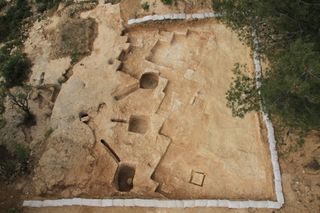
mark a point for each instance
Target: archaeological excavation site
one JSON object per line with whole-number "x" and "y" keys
{"x": 134, "y": 114}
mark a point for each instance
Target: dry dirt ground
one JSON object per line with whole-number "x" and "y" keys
{"x": 147, "y": 118}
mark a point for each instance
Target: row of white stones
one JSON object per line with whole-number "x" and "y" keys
{"x": 174, "y": 16}
{"x": 152, "y": 203}
{"x": 270, "y": 130}
{"x": 186, "y": 203}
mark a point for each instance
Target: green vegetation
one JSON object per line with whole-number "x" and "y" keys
{"x": 145, "y": 6}
{"x": 13, "y": 164}
{"x": 43, "y": 5}
{"x": 20, "y": 99}
{"x": 14, "y": 68}
{"x": 288, "y": 37}
{"x": 11, "y": 22}
{"x": 3, "y": 3}
{"x": 243, "y": 97}
{"x": 167, "y": 2}
{"x": 14, "y": 210}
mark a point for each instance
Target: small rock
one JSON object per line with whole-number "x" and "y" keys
{"x": 85, "y": 119}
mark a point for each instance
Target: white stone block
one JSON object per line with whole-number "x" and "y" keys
{"x": 65, "y": 202}
{"x": 92, "y": 202}
{"x": 179, "y": 204}
{"x": 207, "y": 15}
{"x": 244, "y": 204}
{"x": 181, "y": 16}
{"x": 188, "y": 16}
{"x": 170, "y": 204}
{"x": 35, "y": 203}
{"x": 280, "y": 198}
{"x": 77, "y": 201}
{"x": 155, "y": 17}
{"x": 161, "y": 203}
{"x": 118, "y": 202}
{"x": 26, "y": 203}
{"x": 211, "y": 15}
{"x": 172, "y": 17}
{"x": 147, "y": 18}
{"x": 234, "y": 204}
{"x": 167, "y": 16}
{"x": 144, "y": 202}
{"x": 223, "y": 203}
{"x": 128, "y": 202}
{"x": 197, "y": 16}
{"x": 51, "y": 203}
{"x": 106, "y": 202}
{"x": 131, "y": 21}
{"x": 161, "y": 17}
{"x": 139, "y": 20}
{"x": 261, "y": 204}
{"x": 201, "y": 203}
{"x": 212, "y": 203}
{"x": 188, "y": 203}
{"x": 273, "y": 205}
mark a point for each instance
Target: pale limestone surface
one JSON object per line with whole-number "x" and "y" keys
{"x": 45, "y": 70}
{"x": 84, "y": 91}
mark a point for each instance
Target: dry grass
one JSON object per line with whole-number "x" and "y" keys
{"x": 74, "y": 36}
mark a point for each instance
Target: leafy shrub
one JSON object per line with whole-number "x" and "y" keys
{"x": 242, "y": 97}
{"x": 13, "y": 164}
{"x": 14, "y": 210}
{"x": 22, "y": 155}
{"x": 145, "y": 6}
{"x": 3, "y": 3}
{"x": 167, "y": 2}
{"x": 15, "y": 69}
{"x": 11, "y": 22}
{"x": 43, "y": 5}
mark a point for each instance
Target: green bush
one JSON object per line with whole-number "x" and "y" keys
{"x": 22, "y": 154}
{"x": 7, "y": 163}
{"x": 13, "y": 164}
{"x": 145, "y": 6}
{"x": 14, "y": 210}
{"x": 167, "y": 2}
{"x": 15, "y": 69}
{"x": 11, "y": 22}
{"x": 3, "y": 3}
{"x": 43, "y": 5}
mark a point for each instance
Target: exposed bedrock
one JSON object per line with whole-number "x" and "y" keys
{"x": 67, "y": 160}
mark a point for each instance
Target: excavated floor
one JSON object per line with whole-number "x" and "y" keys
{"x": 145, "y": 116}
{"x": 211, "y": 154}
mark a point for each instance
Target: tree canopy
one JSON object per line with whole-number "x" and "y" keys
{"x": 288, "y": 35}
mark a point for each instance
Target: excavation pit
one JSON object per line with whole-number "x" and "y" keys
{"x": 124, "y": 178}
{"x": 149, "y": 81}
{"x": 138, "y": 124}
